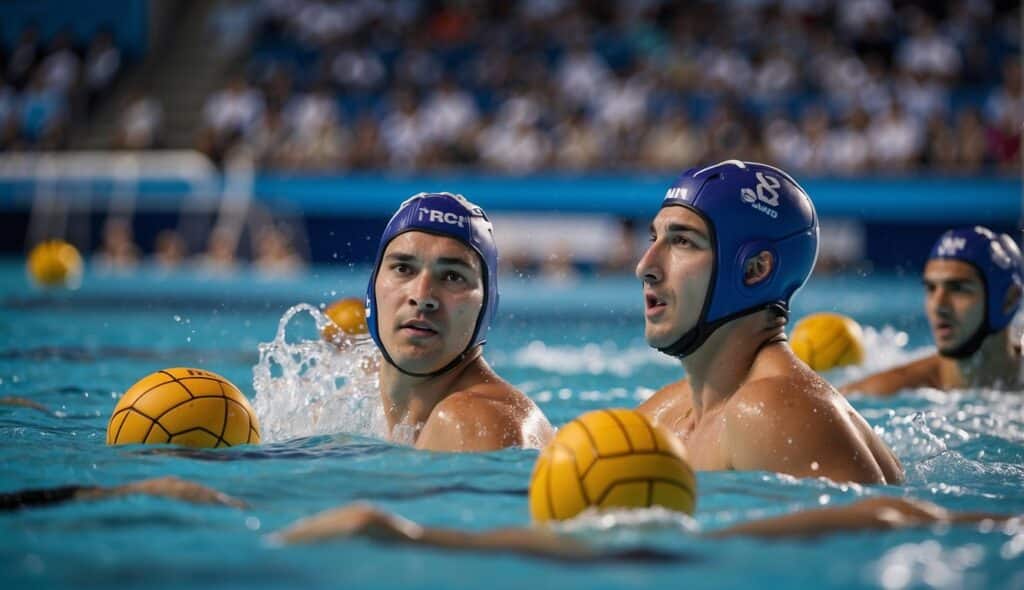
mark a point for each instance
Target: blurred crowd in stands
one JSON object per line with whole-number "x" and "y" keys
{"x": 817, "y": 86}
{"x": 45, "y": 84}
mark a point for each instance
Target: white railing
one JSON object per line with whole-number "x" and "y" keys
{"x": 67, "y": 188}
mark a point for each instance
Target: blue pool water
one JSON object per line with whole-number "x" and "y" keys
{"x": 570, "y": 347}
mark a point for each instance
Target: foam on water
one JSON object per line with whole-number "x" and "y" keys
{"x": 589, "y": 359}
{"x": 309, "y": 386}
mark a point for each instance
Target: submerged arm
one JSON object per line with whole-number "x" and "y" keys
{"x": 920, "y": 373}
{"x": 883, "y": 513}
{"x": 166, "y": 487}
{"x": 363, "y": 520}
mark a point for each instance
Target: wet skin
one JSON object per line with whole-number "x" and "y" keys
{"x": 748, "y": 403}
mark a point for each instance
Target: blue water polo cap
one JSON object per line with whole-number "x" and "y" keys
{"x": 749, "y": 208}
{"x": 997, "y": 259}
{"x": 452, "y": 216}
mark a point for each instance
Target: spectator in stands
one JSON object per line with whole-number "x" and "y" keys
{"x": 673, "y": 144}
{"x": 403, "y": 132}
{"x": 60, "y": 68}
{"x": 448, "y": 111}
{"x": 24, "y": 57}
{"x": 896, "y": 140}
{"x": 139, "y": 125}
{"x": 580, "y": 144}
{"x": 118, "y": 253}
{"x": 219, "y": 258}
{"x": 169, "y": 250}
{"x": 274, "y": 254}
{"x": 102, "y": 64}
{"x": 309, "y": 113}
{"x": 43, "y": 112}
{"x": 228, "y": 115}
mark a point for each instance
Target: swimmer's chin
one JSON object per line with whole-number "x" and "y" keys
{"x": 659, "y": 338}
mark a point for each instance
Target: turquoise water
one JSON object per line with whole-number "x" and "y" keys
{"x": 570, "y": 347}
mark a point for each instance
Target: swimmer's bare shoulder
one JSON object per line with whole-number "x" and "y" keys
{"x": 670, "y": 406}
{"x": 796, "y": 423}
{"x": 485, "y": 417}
{"x": 920, "y": 373}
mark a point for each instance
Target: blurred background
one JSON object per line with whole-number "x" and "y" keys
{"x": 277, "y": 135}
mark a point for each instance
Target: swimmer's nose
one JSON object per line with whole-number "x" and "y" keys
{"x": 422, "y": 296}
{"x": 646, "y": 270}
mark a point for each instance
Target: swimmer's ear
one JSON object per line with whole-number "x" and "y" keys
{"x": 1012, "y": 299}
{"x": 757, "y": 268}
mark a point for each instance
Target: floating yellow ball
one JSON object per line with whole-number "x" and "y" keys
{"x": 348, "y": 317}
{"x": 611, "y": 459}
{"x": 828, "y": 340}
{"x": 55, "y": 263}
{"x": 181, "y": 406}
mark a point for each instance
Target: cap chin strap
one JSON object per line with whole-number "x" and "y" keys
{"x": 455, "y": 362}
{"x": 695, "y": 337}
{"x": 971, "y": 345}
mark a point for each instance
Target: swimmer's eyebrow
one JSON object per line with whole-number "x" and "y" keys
{"x": 449, "y": 261}
{"x": 684, "y": 228}
{"x": 949, "y": 282}
{"x": 678, "y": 227}
{"x": 443, "y": 261}
{"x": 400, "y": 257}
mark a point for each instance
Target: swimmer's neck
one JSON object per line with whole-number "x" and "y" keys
{"x": 410, "y": 400}
{"x": 728, "y": 359}
{"x": 996, "y": 364}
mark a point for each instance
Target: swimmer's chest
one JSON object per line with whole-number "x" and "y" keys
{"x": 705, "y": 442}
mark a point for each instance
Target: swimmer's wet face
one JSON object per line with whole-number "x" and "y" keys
{"x": 954, "y": 302}
{"x": 676, "y": 272}
{"x": 430, "y": 293}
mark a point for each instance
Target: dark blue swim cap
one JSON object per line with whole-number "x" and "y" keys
{"x": 452, "y": 216}
{"x": 749, "y": 208}
{"x": 997, "y": 259}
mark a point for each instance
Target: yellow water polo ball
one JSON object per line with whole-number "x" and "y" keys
{"x": 55, "y": 263}
{"x": 828, "y": 340}
{"x": 612, "y": 458}
{"x": 348, "y": 318}
{"x": 181, "y": 406}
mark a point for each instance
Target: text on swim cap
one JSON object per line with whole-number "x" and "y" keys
{"x": 677, "y": 192}
{"x": 950, "y": 245}
{"x": 765, "y": 192}
{"x": 435, "y": 216}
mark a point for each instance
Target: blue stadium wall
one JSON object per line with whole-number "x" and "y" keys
{"x": 344, "y": 215}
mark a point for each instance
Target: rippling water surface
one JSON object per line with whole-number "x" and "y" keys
{"x": 572, "y": 348}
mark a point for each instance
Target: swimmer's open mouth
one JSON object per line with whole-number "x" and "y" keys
{"x": 419, "y": 327}
{"x": 653, "y": 302}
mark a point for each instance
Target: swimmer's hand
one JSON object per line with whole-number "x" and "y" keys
{"x": 362, "y": 520}
{"x": 166, "y": 487}
{"x": 881, "y": 513}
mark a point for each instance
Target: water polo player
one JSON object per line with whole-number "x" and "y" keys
{"x": 730, "y": 246}
{"x": 429, "y": 304}
{"x": 973, "y": 280}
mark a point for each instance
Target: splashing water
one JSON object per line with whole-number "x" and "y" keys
{"x": 311, "y": 386}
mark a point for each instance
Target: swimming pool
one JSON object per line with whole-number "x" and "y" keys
{"x": 571, "y": 347}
